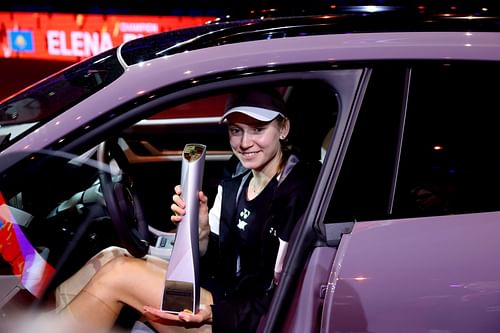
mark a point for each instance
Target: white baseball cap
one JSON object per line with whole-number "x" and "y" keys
{"x": 261, "y": 104}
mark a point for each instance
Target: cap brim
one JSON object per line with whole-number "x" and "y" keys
{"x": 260, "y": 114}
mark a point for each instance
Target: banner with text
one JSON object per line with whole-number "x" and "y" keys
{"x": 73, "y": 37}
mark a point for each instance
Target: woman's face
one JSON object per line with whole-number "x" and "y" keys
{"x": 256, "y": 143}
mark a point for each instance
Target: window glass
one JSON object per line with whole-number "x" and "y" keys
{"x": 363, "y": 188}
{"x": 449, "y": 161}
{"x": 54, "y": 95}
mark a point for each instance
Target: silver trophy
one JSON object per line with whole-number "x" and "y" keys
{"x": 182, "y": 288}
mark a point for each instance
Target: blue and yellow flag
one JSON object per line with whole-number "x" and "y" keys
{"x": 21, "y": 40}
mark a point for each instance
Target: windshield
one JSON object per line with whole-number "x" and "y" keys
{"x": 57, "y": 93}
{"x": 171, "y": 42}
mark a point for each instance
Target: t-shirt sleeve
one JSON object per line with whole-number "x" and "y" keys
{"x": 215, "y": 211}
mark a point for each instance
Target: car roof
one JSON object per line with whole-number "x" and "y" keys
{"x": 349, "y": 20}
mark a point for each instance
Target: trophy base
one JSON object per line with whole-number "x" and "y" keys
{"x": 178, "y": 296}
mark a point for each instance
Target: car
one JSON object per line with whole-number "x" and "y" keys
{"x": 401, "y": 233}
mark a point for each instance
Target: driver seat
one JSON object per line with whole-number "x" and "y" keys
{"x": 142, "y": 327}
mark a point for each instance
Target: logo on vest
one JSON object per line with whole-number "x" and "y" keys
{"x": 244, "y": 214}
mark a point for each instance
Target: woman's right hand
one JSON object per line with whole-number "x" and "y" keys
{"x": 179, "y": 210}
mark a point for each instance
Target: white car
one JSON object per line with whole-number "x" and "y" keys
{"x": 402, "y": 232}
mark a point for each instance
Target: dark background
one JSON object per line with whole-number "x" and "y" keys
{"x": 18, "y": 74}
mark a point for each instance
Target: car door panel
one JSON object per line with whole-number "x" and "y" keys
{"x": 417, "y": 275}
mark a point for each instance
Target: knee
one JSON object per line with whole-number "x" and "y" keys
{"x": 115, "y": 273}
{"x": 113, "y": 252}
{"x": 104, "y": 256}
{"x": 119, "y": 265}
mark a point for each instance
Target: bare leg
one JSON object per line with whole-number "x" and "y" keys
{"x": 68, "y": 290}
{"x": 123, "y": 280}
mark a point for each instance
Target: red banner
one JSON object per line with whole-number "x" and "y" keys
{"x": 73, "y": 37}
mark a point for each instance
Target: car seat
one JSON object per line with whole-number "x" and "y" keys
{"x": 313, "y": 106}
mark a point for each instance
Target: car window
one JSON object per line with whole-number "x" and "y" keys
{"x": 52, "y": 96}
{"x": 449, "y": 161}
{"x": 363, "y": 187}
{"x": 432, "y": 155}
{"x": 50, "y": 204}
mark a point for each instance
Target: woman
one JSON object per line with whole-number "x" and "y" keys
{"x": 243, "y": 239}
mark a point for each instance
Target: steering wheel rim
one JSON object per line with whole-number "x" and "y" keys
{"x": 122, "y": 202}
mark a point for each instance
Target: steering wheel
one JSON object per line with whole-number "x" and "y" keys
{"x": 122, "y": 201}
